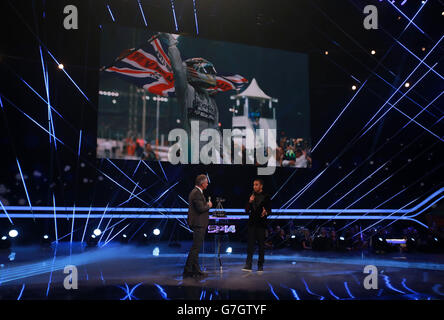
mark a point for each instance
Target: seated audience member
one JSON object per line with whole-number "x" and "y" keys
{"x": 321, "y": 241}
{"x": 333, "y": 241}
{"x": 307, "y": 242}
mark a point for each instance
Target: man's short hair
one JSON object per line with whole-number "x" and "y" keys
{"x": 200, "y": 179}
{"x": 260, "y": 181}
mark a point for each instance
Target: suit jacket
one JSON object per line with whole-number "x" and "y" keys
{"x": 261, "y": 200}
{"x": 198, "y": 209}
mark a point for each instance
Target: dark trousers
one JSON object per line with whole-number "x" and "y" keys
{"x": 192, "y": 264}
{"x": 256, "y": 234}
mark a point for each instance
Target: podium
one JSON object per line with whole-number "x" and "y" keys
{"x": 220, "y": 228}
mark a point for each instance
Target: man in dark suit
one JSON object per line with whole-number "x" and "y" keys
{"x": 198, "y": 211}
{"x": 258, "y": 207}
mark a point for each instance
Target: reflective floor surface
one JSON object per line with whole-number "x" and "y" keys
{"x": 119, "y": 272}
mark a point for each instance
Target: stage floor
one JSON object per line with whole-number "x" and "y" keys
{"x": 154, "y": 271}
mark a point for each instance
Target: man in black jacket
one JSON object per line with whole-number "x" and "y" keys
{"x": 198, "y": 211}
{"x": 258, "y": 207}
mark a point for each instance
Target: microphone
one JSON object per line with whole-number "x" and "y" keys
{"x": 209, "y": 199}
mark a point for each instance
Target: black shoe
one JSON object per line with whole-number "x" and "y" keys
{"x": 260, "y": 269}
{"x": 247, "y": 268}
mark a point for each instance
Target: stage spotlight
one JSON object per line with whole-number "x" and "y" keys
{"x": 97, "y": 232}
{"x": 326, "y": 53}
{"x": 412, "y": 244}
{"x": 341, "y": 238}
{"x": 61, "y": 66}
{"x": 142, "y": 238}
{"x": 293, "y": 236}
{"x": 124, "y": 238}
{"x": 13, "y": 233}
{"x": 373, "y": 52}
{"x": 354, "y": 87}
{"x": 407, "y": 84}
{"x": 229, "y": 250}
{"x": 156, "y": 232}
{"x": 423, "y": 49}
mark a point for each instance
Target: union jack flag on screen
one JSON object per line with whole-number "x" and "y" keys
{"x": 149, "y": 67}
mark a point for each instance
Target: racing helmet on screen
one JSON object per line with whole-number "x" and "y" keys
{"x": 201, "y": 72}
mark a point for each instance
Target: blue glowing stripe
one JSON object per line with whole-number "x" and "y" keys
{"x": 162, "y": 292}
{"x": 174, "y": 14}
{"x": 161, "y": 167}
{"x": 310, "y": 292}
{"x": 418, "y": 58}
{"x": 391, "y": 212}
{"x": 423, "y": 4}
{"x": 425, "y": 108}
{"x": 272, "y": 291}
{"x": 165, "y": 192}
{"x": 86, "y": 224}
{"x": 50, "y": 275}
{"x": 41, "y": 98}
{"x": 72, "y": 225}
{"x": 55, "y": 219}
{"x": 332, "y": 294}
{"x": 69, "y": 77}
{"x": 1, "y": 102}
{"x": 150, "y": 169}
{"x": 396, "y": 241}
{"x": 411, "y": 87}
{"x": 195, "y": 16}
{"x": 295, "y": 294}
{"x": 115, "y": 166}
{"x": 80, "y": 143}
{"x": 402, "y": 13}
{"x": 389, "y": 285}
{"x": 411, "y": 119}
{"x": 101, "y": 219}
{"x": 143, "y": 14}
{"x": 110, "y": 12}
{"x": 407, "y": 288}
{"x": 24, "y": 184}
{"x": 340, "y": 114}
{"x": 21, "y": 292}
{"x": 137, "y": 167}
{"x": 115, "y": 235}
{"x": 147, "y": 210}
{"x": 184, "y": 216}
{"x": 348, "y": 290}
{"x": 6, "y": 212}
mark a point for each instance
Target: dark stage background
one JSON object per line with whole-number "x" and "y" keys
{"x": 411, "y": 160}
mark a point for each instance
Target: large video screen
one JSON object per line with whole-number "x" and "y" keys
{"x": 167, "y": 96}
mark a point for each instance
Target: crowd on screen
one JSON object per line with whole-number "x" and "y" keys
{"x": 292, "y": 152}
